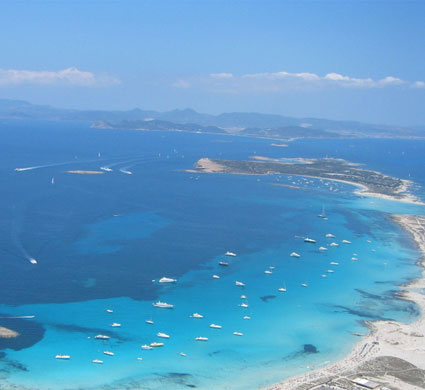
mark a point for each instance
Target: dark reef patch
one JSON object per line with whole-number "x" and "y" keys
{"x": 310, "y": 348}
{"x": 30, "y": 333}
{"x": 265, "y": 298}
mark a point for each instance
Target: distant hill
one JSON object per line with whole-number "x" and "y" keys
{"x": 239, "y": 123}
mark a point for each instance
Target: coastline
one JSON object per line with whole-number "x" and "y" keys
{"x": 389, "y": 343}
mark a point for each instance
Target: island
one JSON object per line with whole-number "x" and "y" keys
{"x": 371, "y": 182}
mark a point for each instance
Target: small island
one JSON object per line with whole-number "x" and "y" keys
{"x": 372, "y": 183}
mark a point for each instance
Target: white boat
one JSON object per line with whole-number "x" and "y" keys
{"x": 139, "y": 358}
{"x": 52, "y": 181}
{"x": 324, "y": 276}
{"x": 145, "y": 346}
{"x": 150, "y": 322}
{"x": 33, "y": 261}
{"x": 334, "y": 263}
{"x": 329, "y": 235}
{"x": 115, "y": 325}
{"x": 333, "y": 244}
{"x": 245, "y": 305}
{"x": 322, "y": 248}
{"x": 272, "y": 267}
{"x": 330, "y": 271}
{"x": 109, "y": 353}
{"x": 126, "y": 172}
{"x": 216, "y": 277}
{"x": 230, "y": 254}
{"x": 294, "y": 254}
{"x": 182, "y": 354}
{"x": 200, "y": 338}
{"x": 106, "y": 169}
{"x": 322, "y": 214}
{"x": 241, "y": 284}
{"x": 167, "y": 280}
{"x": 97, "y": 361}
{"x": 109, "y": 310}
{"x": 304, "y": 284}
{"x": 243, "y": 296}
{"x": 310, "y": 240}
{"x": 346, "y": 242}
{"x": 101, "y": 337}
{"x": 215, "y": 326}
{"x": 238, "y": 333}
{"x": 246, "y": 317}
{"x": 282, "y": 289}
{"x": 156, "y": 345}
{"x": 354, "y": 258}
{"x": 196, "y": 315}
{"x": 63, "y": 357}
{"x": 268, "y": 272}
{"x": 223, "y": 263}
{"x": 163, "y": 305}
{"x": 163, "y": 335}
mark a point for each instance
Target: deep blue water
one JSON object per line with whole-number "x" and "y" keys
{"x": 101, "y": 240}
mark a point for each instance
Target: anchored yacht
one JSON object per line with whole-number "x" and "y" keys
{"x": 230, "y": 254}
{"x": 196, "y": 315}
{"x": 109, "y": 353}
{"x": 215, "y": 326}
{"x": 101, "y": 337}
{"x": 163, "y": 305}
{"x": 63, "y": 357}
{"x": 241, "y": 284}
{"x": 163, "y": 335}
{"x": 310, "y": 240}
{"x": 200, "y": 338}
{"x": 167, "y": 280}
{"x": 97, "y": 361}
{"x": 294, "y": 254}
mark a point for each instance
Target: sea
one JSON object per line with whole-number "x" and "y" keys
{"x": 80, "y": 252}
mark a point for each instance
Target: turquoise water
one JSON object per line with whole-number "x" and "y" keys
{"x": 103, "y": 241}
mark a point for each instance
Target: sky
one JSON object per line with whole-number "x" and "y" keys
{"x": 345, "y": 60}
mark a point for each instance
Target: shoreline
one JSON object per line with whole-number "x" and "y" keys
{"x": 388, "y": 341}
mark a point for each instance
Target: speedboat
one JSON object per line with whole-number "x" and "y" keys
{"x": 241, "y": 284}
{"x": 304, "y": 284}
{"x": 101, "y": 337}
{"x": 196, "y": 315}
{"x": 216, "y": 277}
{"x": 115, "y": 325}
{"x": 163, "y": 335}
{"x": 33, "y": 261}
{"x": 215, "y": 326}
{"x": 106, "y": 169}
{"x": 238, "y": 333}
{"x": 230, "y": 254}
{"x": 223, "y": 263}
{"x": 200, "y": 338}
{"x": 163, "y": 305}
{"x": 109, "y": 310}
{"x": 150, "y": 322}
{"x": 282, "y": 289}
{"x": 97, "y": 361}
{"x": 63, "y": 357}
{"x": 268, "y": 272}
{"x": 156, "y": 345}
{"x": 109, "y": 353}
{"x": 167, "y": 280}
{"x": 182, "y": 354}
{"x": 294, "y": 254}
{"x": 246, "y": 317}
{"x": 310, "y": 240}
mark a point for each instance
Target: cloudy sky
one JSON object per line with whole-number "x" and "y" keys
{"x": 356, "y": 60}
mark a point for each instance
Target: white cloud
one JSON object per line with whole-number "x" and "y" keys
{"x": 284, "y": 81}
{"x": 66, "y": 77}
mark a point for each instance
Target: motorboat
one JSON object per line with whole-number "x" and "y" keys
{"x": 163, "y": 305}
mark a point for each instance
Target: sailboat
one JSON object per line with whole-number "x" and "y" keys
{"x": 53, "y": 180}
{"x": 323, "y": 213}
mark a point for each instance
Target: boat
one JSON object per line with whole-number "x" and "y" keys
{"x": 215, "y": 326}
{"x": 272, "y": 267}
{"x": 354, "y": 258}
{"x": 282, "y": 289}
{"x": 126, "y": 172}
{"x": 167, "y": 280}
{"x": 101, "y": 337}
{"x": 109, "y": 310}
{"x": 268, "y": 272}
{"x": 245, "y": 305}
{"x": 331, "y": 271}
{"x": 223, "y": 263}
{"x": 243, "y": 296}
{"x": 52, "y": 181}
{"x": 324, "y": 276}
{"x": 346, "y": 242}
{"x": 150, "y": 322}
{"x": 63, "y": 357}
{"x": 230, "y": 254}
{"x": 106, "y": 169}
{"x": 33, "y": 261}
{"x": 329, "y": 235}
{"x": 322, "y": 214}
{"x": 333, "y": 244}
{"x": 156, "y": 345}
{"x": 294, "y": 254}
{"x": 115, "y": 325}
{"x": 97, "y": 361}
{"x": 139, "y": 358}
{"x": 304, "y": 284}
{"x": 196, "y": 315}
{"x": 163, "y": 335}
{"x": 246, "y": 317}
{"x": 145, "y": 346}
{"x": 109, "y": 353}
{"x": 182, "y": 354}
{"x": 322, "y": 248}
{"x": 200, "y": 338}
{"x": 216, "y": 277}
{"x": 310, "y": 240}
{"x": 241, "y": 284}
{"x": 334, "y": 263}
{"x": 238, "y": 333}
{"x": 163, "y": 305}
